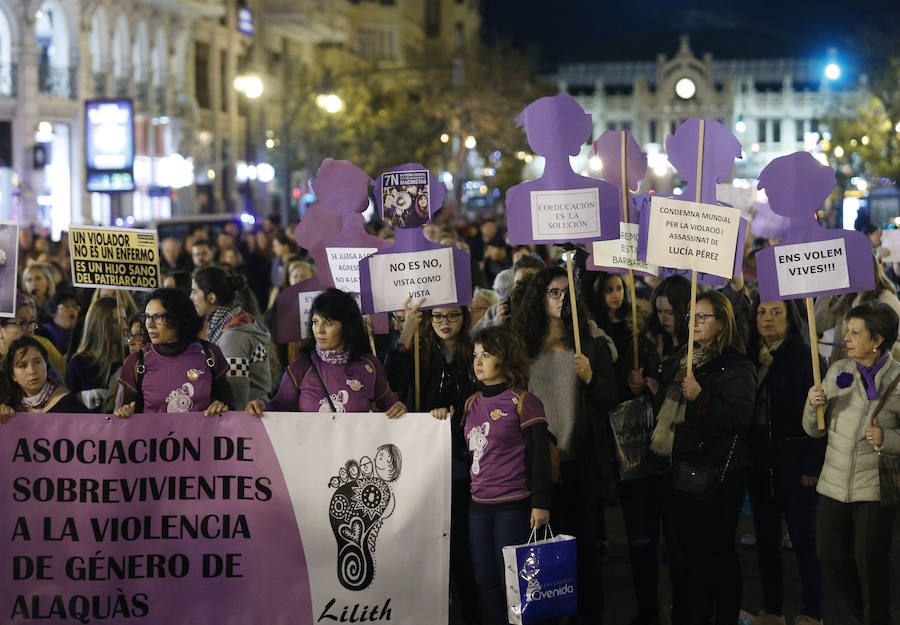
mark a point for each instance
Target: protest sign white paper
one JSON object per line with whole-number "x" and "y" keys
{"x": 306, "y": 300}
{"x": 572, "y": 213}
{"x": 692, "y": 235}
{"x": 890, "y": 242}
{"x": 344, "y": 265}
{"x": 816, "y": 266}
{"x": 622, "y": 252}
{"x": 396, "y": 277}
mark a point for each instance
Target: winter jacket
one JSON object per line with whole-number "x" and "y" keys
{"x": 850, "y": 472}
{"x": 244, "y": 343}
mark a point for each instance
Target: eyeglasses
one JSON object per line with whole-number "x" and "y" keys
{"x": 133, "y": 339}
{"x": 477, "y": 309}
{"x": 453, "y": 317}
{"x": 700, "y": 318}
{"x": 157, "y": 319}
{"x": 24, "y": 324}
{"x": 556, "y": 293}
{"x": 663, "y": 312}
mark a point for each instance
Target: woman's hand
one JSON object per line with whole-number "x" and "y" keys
{"x": 583, "y": 368}
{"x": 875, "y": 435}
{"x": 816, "y": 396}
{"x": 256, "y": 407}
{"x": 539, "y": 517}
{"x": 412, "y": 317}
{"x": 689, "y": 388}
{"x": 397, "y": 410}
{"x": 808, "y": 480}
{"x": 442, "y": 413}
{"x": 636, "y": 380}
{"x": 6, "y": 413}
{"x": 125, "y": 411}
{"x": 216, "y": 408}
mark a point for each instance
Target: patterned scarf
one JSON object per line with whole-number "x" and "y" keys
{"x": 218, "y": 318}
{"x": 766, "y": 357}
{"x": 42, "y": 397}
{"x": 673, "y": 408}
{"x": 333, "y": 356}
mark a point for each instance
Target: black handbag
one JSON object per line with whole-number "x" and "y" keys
{"x": 699, "y": 480}
{"x": 888, "y": 464}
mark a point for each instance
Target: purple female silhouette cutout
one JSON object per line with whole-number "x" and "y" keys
{"x": 560, "y": 206}
{"x": 608, "y": 147}
{"x": 409, "y": 240}
{"x": 720, "y": 148}
{"x": 811, "y": 260}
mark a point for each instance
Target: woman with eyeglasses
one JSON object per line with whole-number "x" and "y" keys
{"x": 577, "y": 389}
{"x": 26, "y": 372}
{"x": 445, "y": 385}
{"x": 177, "y": 371}
{"x": 25, "y": 324}
{"x": 703, "y": 423}
{"x": 98, "y": 355}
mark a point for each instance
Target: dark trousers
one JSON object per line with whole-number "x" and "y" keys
{"x": 490, "y": 530}
{"x": 463, "y": 591}
{"x": 853, "y": 541}
{"x": 797, "y": 506}
{"x": 706, "y": 572}
{"x": 574, "y": 512}
{"x": 642, "y": 508}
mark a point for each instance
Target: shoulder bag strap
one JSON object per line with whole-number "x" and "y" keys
{"x": 139, "y": 370}
{"x": 322, "y": 382}
{"x": 883, "y": 399}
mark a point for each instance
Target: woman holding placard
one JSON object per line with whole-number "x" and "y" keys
{"x": 786, "y": 462}
{"x": 862, "y": 417}
{"x": 576, "y": 388}
{"x": 335, "y": 371}
{"x": 703, "y": 420}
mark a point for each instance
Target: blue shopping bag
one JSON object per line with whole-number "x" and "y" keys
{"x": 540, "y": 578}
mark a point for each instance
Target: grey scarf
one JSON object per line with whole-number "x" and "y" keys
{"x": 673, "y": 408}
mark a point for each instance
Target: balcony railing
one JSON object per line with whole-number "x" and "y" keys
{"x": 159, "y": 99}
{"x": 121, "y": 87}
{"x": 58, "y": 81}
{"x": 140, "y": 94}
{"x": 100, "y": 84}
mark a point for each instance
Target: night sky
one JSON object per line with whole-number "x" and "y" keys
{"x": 553, "y": 31}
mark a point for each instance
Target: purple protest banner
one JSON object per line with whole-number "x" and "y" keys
{"x": 719, "y": 150}
{"x": 560, "y": 206}
{"x": 415, "y": 267}
{"x": 9, "y": 256}
{"x": 811, "y": 260}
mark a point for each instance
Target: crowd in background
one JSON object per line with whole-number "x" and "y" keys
{"x": 745, "y": 413}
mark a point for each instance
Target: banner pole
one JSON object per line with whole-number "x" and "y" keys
{"x": 416, "y": 369}
{"x": 631, "y": 289}
{"x": 691, "y": 315}
{"x": 814, "y": 353}
{"x": 572, "y": 301}
{"x": 371, "y": 334}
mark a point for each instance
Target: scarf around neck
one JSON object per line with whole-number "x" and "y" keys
{"x": 766, "y": 357}
{"x": 333, "y": 356}
{"x": 674, "y": 406}
{"x": 42, "y": 397}
{"x": 868, "y": 375}
{"x": 218, "y": 318}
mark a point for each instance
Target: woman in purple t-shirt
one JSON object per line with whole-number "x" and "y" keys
{"x": 335, "y": 371}
{"x": 177, "y": 371}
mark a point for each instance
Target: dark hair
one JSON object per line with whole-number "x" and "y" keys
{"x": 529, "y": 261}
{"x": 530, "y": 314}
{"x": 880, "y": 320}
{"x": 794, "y": 323}
{"x": 869, "y": 229}
{"x": 182, "y": 280}
{"x": 507, "y": 346}
{"x": 676, "y": 289}
{"x": 202, "y": 242}
{"x": 337, "y": 305}
{"x": 183, "y": 317}
{"x": 219, "y": 281}
{"x": 600, "y": 309}
{"x": 462, "y": 353}
{"x": 728, "y": 336}
{"x": 23, "y": 342}
{"x": 61, "y": 296}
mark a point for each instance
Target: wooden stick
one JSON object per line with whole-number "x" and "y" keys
{"x": 572, "y": 301}
{"x": 416, "y": 370}
{"x": 690, "y": 350}
{"x": 631, "y": 290}
{"x": 814, "y": 352}
{"x": 371, "y": 334}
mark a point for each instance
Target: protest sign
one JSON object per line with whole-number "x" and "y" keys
{"x": 621, "y": 253}
{"x": 692, "y": 235}
{"x": 343, "y": 262}
{"x": 415, "y": 275}
{"x": 405, "y": 198}
{"x": 305, "y": 306}
{"x": 180, "y": 519}
{"x": 810, "y": 267}
{"x": 9, "y": 257}
{"x": 890, "y": 246}
{"x": 560, "y": 206}
{"x": 114, "y": 258}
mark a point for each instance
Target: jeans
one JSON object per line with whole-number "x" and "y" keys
{"x": 797, "y": 506}
{"x": 491, "y": 529}
{"x": 642, "y": 507}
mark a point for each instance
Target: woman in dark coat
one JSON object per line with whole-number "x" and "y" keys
{"x": 32, "y": 389}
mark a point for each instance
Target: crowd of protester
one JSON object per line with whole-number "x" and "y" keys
{"x": 531, "y": 439}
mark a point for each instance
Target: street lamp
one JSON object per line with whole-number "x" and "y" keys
{"x": 832, "y": 71}
{"x": 470, "y": 142}
{"x": 329, "y": 102}
{"x": 249, "y": 84}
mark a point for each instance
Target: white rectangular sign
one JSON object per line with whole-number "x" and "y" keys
{"x": 9, "y": 256}
{"x": 691, "y": 235}
{"x": 306, "y": 300}
{"x": 572, "y": 213}
{"x": 396, "y": 277}
{"x": 375, "y": 512}
{"x": 807, "y": 267}
{"x": 344, "y": 265}
{"x": 889, "y": 252}
{"x": 622, "y": 252}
